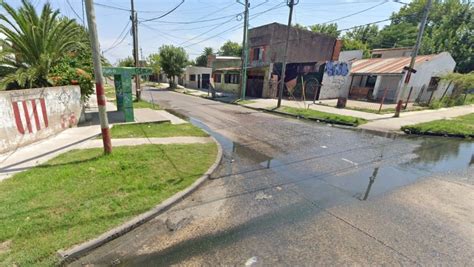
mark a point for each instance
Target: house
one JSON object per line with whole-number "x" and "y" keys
{"x": 197, "y": 77}
{"x": 391, "y": 52}
{"x": 225, "y": 72}
{"x": 306, "y": 56}
{"x": 376, "y": 78}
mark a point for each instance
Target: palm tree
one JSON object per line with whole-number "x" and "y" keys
{"x": 33, "y": 44}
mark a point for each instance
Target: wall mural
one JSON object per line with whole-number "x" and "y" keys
{"x": 27, "y": 114}
{"x": 336, "y": 68}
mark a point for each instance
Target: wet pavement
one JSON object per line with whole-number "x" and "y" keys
{"x": 291, "y": 192}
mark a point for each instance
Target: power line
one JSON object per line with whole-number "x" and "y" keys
{"x": 197, "y": 21}
{"x": 356, "y": 13}
{"x": 74, "y": 11}
{"x": 119, "y": 39}
{"x": 126, "y": 9}
{"x": 166, "y": 14}
{"x": 238, "y": 26}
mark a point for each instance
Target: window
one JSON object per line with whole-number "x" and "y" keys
{"x": 371, "y": 79}
{"x": 232, "y": 78}
{"x": 376, "y": 55}
{"x": 217, "y": 78}
{"x": 192, "y": 77}
{"x": 433, "y": 84}
{"x": 257, "y": 54}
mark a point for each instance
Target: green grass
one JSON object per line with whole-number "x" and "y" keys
{"x": 459, "y": 126}
{"x": 82, "y": 194}
{"x": 329, "y": 117}
{"x": 145, "y": 104}
{"x": 156, "y": 130}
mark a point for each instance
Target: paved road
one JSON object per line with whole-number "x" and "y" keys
{"x": 290, "y": 192}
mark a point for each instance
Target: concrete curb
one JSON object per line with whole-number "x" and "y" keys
{"x": 82, "y": 249}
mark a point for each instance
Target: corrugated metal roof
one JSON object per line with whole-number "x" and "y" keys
{"x": 385, "y": 65}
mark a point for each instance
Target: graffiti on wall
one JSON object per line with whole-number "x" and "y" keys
{"x": 30, "y": 114}
{"x": 68, "y": 119}
{"x": 336, "y": 68}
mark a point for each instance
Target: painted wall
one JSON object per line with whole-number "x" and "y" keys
{"x": 336, "y": 80}
{"x": 194, "y": 70}
{"x": 389, "y": 82}
{"x": 27, "y": 116}
{"x": 226, "y": 87}
{"x": 441, "y": 64}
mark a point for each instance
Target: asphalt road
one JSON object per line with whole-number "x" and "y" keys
{"x": 290, "y": 192}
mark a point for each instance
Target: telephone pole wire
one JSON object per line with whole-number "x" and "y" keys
{"x": 101, "y": 101}
{"x": 245, "y": 51}
{"x": 291, "y": 4}
{"x": 414, "y": 53}
{"x": 136, "y": 57}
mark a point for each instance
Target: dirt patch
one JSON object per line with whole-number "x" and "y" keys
{"x": 5, "y": 246}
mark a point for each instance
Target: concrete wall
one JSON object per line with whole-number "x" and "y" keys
{"x": 194, "y": 70}
{"x": 389, "y": 82}
{"x": 304, "y": 46}
{"x": 27, "y": 116}
{"x": 389, "y": 53}
{"x": 226, "y": 87}
{"x": 350, "y": 55}
{"x": 335, "y": 85}
{"x": 440, "y": 65}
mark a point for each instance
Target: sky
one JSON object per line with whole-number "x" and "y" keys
{"x": 196, "y": 24}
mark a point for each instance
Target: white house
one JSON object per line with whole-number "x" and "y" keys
{"x": 374, "y": 78}
{"x": 383, "y": 75}
{"x": 197, "y": 77}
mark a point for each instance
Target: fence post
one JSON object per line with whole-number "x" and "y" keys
{"x": 383, "y": 99}
{"x": 431, "y": 97}
{"x": 408, "y": 98}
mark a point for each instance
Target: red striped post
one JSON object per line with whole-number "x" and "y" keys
{"x": 101, "y": 100}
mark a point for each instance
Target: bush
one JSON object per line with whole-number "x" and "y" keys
{"x": 64, "y": 74}
{"x": 448, "y": 102}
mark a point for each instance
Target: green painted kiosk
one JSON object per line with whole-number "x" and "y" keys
{"x": 123, "y": 87}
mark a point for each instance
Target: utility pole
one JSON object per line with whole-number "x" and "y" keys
{"x": 136, "y": 58}
{"x": 414, "y": 53}
{"x": 83, "y": 16}
{"x": 291, "y": 4}
{"x": 245, "y": 49}
{"x": 101, "y": 101}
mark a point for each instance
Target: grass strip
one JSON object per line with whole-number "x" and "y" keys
{"x": 323, "y": 116}
{"x": 141, "y": 130}
{"x": 462, "y": 126}
{"x": 83, "y": 193}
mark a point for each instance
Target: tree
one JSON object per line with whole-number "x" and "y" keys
{"x": 202, "y": 59}
{"x": 126, "y": 62}
{"x": 366, "y": 34}
{"x": 33, "y": 44}
{"x": 328, "y": 29}
{"x": 153, "y": 61}
{"x": 462, "y": 82}
{"x": 352, "y": 44}
{"x": 173, "y": 59}
{"x": 450, "y": 27}
{"x": 300, "y": 26}
{"x": 230, "y": 48}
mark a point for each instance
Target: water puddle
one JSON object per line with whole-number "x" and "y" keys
{"x": 357, "y": 174}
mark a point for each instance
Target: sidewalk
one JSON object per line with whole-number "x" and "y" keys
{"x": 377, "y": 122}
{"x": 266, "y": 103}
{"x": 409, "y": 118}
{"x": 37, "y": 153}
